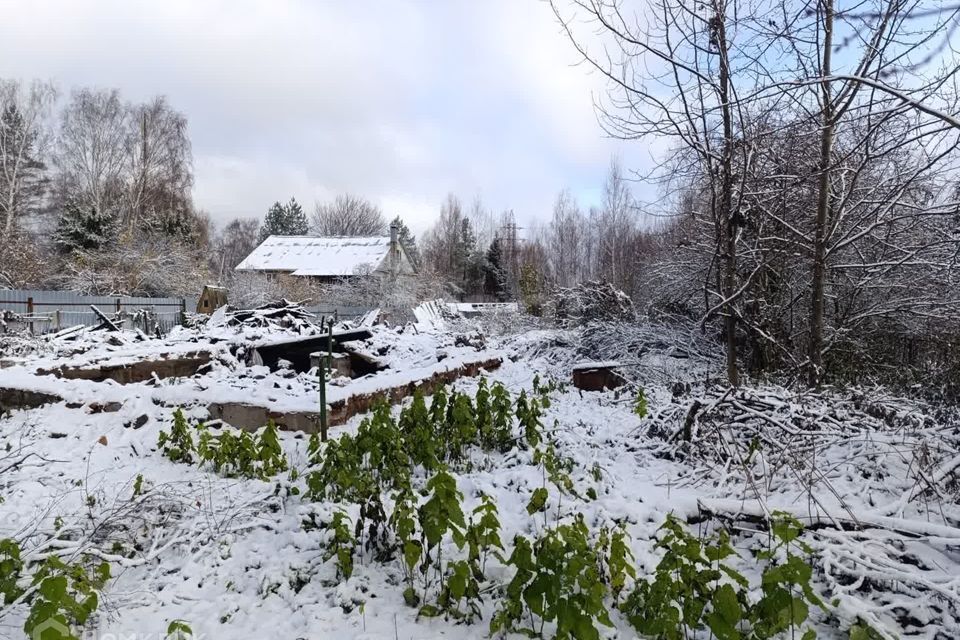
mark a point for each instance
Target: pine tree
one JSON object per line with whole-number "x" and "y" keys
{"x": 295, "y": 219}
{"x": 495, "y": 275}
{"x": 465, "y": 243}
{"x": 284, "y": 220}
{"x": 272, "y": 222}
{"x": 408, "y": 241}
{"x": 84, "y": 229}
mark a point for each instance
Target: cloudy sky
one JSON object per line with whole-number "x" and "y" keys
{"x": 401, "y": 102}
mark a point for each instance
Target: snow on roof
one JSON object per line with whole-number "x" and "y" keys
{"x": 317, "y": 256}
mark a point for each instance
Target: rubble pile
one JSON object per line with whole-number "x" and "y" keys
{"x": 591, "y": 301}
{"x": 282, "y": 314}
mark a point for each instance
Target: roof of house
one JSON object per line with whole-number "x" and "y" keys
{"x": 317, "y": 256}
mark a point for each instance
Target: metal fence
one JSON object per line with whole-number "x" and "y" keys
{"x": 47, "y": 311}
{"x": 341, "y": 312}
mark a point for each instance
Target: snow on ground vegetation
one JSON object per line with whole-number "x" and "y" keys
{"x": 508, "y": 504}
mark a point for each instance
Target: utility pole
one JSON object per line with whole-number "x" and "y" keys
{"x": 510, "y": 229}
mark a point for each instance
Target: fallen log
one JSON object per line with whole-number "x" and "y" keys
{"x": 755, "y": 512}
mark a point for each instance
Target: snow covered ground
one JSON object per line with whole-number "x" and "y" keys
{"x": 231, "y": 557}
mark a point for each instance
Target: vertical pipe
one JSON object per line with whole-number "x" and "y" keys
{"x": 325, "y": 363}
{"x": 322, "y": 373}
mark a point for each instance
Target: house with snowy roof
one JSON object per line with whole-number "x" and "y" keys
{"x": 331, "y": 258}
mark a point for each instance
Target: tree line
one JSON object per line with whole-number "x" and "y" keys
{"x": 95, "y": 193}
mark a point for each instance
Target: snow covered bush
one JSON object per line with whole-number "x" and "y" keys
{"x": 142, "y": 263}
{"x": 589, "y": 301}
{"x": 24, "y": 263}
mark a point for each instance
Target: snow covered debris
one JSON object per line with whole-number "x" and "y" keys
{"x": 874, "y": 477}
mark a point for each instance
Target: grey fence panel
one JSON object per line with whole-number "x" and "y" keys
{"x": 52, "y": 310}
{"x": 341, "y": 311}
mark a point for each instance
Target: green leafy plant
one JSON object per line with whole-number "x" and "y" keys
{"x": 341, "y": 544}
{"x": 239, "y": 454}
{"x": 538, "y": 501}
{"x": 459, "y": 597}
{"x": 11, "y": 567}
{"x": 640, "y": 403}
{"x": 528, "y": 414}
{"x": 556, "y": 469}
{"x": 403, "y": 522}
{"x": 685, "y": 594}
{"x": 785, "y": 583}
{"x": 232, "y": 452}
{"x": 501, "y": 415}
{"x": 483, "y": 535}
{"x": 178, "y": 444}
{"x": 618, "y": 560}
{"x": 66, "y": 594}
{"x": 416, "y": 426}
{"x": 441, "y": 515}
{"x": 138, "y": 486}
{"x": 557, "y": 580}
{"x": 863, "y": 631}
{"x": 694, "y": 588}
{"x": 178, "y": 630}
{"x": 459, "y": 430}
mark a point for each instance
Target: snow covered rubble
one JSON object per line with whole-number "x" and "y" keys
{"x": 872, "y": 474}
{"x": 217, "y": 354}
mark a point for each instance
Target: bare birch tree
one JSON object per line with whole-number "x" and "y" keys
{"x": 159, "y": 164}
{"x": 24, "y": 139}
{"x": 671, "y": 74}
{"x": 92, "y": 151}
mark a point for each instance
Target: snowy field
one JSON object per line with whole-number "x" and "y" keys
{"x": 871, "y": 476}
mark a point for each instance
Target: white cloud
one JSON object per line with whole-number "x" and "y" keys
{"x": 401, "y": 102}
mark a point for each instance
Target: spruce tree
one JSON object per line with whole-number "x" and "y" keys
{"x": 408, "y": 241}
{"x": 295, "y": 220}
{"x": 272, "y": 222}
{"x": 84, "y": 228}
{"x": 495, "y": 276}
{"x": 284, "y": 220}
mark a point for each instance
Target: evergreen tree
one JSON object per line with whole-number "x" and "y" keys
{"x": 296, "y": 219}
{"x": 284, "y": 220}
{"x": 408, "y": 241}
{"x": 84, "y": 229}
{"x": 463, "y": 252}
{"x": 469, "y": 261}
{"x": 272, "y": 222}
{"x": 495, "y": 275}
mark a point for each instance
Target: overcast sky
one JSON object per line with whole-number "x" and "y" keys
{"x": 401, "y": 102}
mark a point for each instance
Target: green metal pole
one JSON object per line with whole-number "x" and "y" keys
{"x": 323, "y": 370}
{"x": 323, "y": 398}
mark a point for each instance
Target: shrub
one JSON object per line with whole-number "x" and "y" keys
{"x": 231, "y": 452}
{"x": 694, "y": 588}
{"x": 557, "y": 579}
